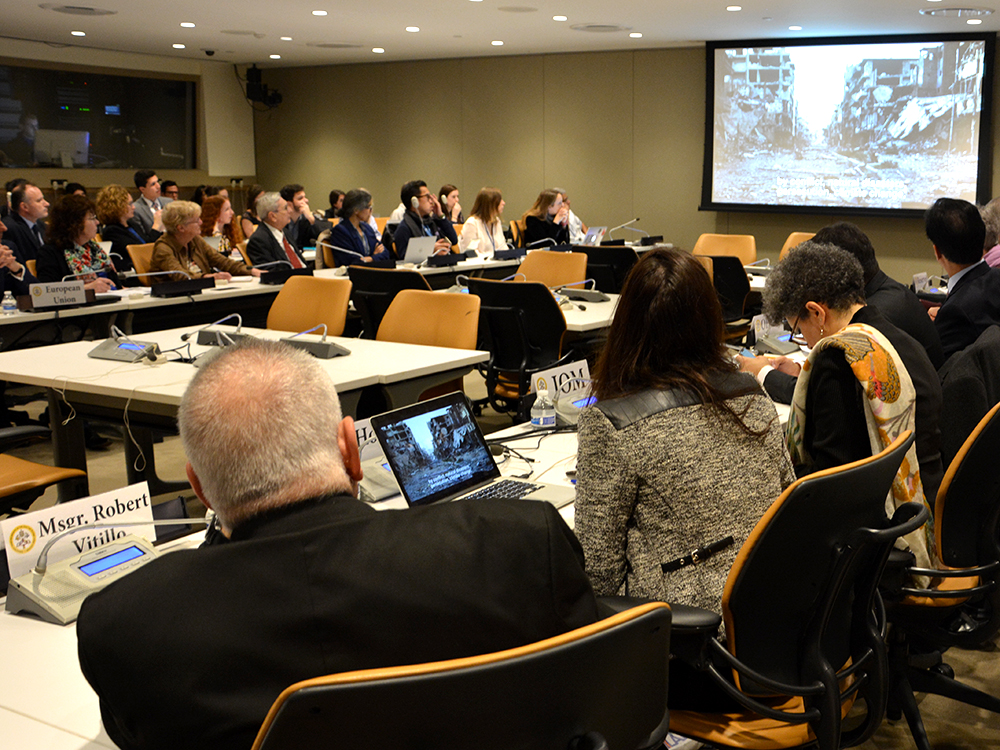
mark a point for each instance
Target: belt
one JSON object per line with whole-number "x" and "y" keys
{"x": 699, "y": 555}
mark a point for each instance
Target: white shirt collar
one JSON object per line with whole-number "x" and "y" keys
{"x": 953, "y": 280}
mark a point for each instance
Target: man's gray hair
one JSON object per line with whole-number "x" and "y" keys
{"x": 266, "y": 203}
{"x": 991, "y": 218}
{"x": 259, "y": 426}
{"x": 813, "y": 272}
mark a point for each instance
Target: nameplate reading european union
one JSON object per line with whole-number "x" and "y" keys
{"x": 571, "y": 378}
{"x": 25, "y": 536}
{"x": 58, "y": 294}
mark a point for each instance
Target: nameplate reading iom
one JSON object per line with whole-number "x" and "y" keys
{"x": 26, "y": 535}
{"x": 58, "y": 294}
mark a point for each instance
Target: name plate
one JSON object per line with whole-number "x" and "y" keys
{"x": 58, "y": 294}
{"x": 26, "y": 535}
{"x": 564, "y": 380}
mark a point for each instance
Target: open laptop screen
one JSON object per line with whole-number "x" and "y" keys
{"x": 435, "y": 448}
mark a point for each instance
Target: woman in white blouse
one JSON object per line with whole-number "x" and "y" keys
{"x": 483, "y": 230}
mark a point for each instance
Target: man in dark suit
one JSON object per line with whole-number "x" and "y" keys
{"x": 14, "y": 274}
{"x": 191, "y": 650}
{"x": 269, "y": 245}
{"x": 26, "y": 220}
{"x": 423, "y": 218}
{"x": 973, "y": 303}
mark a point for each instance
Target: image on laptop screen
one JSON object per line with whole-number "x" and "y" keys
{"x": 435, "y": 453}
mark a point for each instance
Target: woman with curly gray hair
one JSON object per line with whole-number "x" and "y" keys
{"x": 854, "y": 395}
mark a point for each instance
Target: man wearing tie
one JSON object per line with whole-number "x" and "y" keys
{"x": 269, "y": 243}
{"x": 148, "y": 205}
{"x": 28, "y": 208}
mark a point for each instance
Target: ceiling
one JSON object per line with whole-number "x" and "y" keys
{"x": 241, "y": 31}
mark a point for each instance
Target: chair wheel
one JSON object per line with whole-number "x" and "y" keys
{"x": 944, "y": 670}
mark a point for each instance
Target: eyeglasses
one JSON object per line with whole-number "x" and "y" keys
{"x": 91, "y": 218}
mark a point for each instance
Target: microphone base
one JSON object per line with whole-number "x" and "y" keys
{"x": 181, "y": 288}
{"x": 211, "y": 337}
{"x": 512, "y": 254}
{"x": 451, "y": 259}
{"x": 654, "y": 239}
{"x": 319, "y": 349}
{"x": 280, "y": 277}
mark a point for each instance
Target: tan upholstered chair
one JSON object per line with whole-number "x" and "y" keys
{"x": 142, "y": 260}
{"x": 307, "y": 301}
{"x": 794, "y": 240}
{"x": 553, "y": 268}
{"x": 742, "y": 246}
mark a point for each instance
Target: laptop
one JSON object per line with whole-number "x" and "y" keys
{"x": 419, "y": 249}
{"x": 594, "y": 236}
{"x": 438, "y": 453}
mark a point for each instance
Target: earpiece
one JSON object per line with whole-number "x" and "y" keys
{"x": 414, "y": 202}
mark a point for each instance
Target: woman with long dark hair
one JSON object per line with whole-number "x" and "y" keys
{"x": 70, "y": 249}
{"x": 484, "y": 227}
{"x": 547, "y": 219}
{"x": 681, "y": 452}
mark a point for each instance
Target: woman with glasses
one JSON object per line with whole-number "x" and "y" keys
{"x": 483, "y": 227}
{"x": 854, "y": 395}
{"x": 354, "y": 241}
{"x": 182, "y": 250}
{"x": 70, "y": 250}
{"x": 681, "y": 452}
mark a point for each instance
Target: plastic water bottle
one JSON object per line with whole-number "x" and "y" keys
{"x": 9, "y": 304}
{"x": 543, "y": 411}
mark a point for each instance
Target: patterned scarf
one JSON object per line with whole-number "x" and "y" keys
{"x": 889, "y": 399}
{"x": 88, "y": 259}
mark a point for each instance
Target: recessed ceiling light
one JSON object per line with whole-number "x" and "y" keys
{"x": 795, "y": 28}
{"x": 286, "y": 39}
{"x": 560, "y": 18}
{"x": 965, "y": 13}
{"x": 734, "y": 8}
{"x": 319, "y": 12}
{"x": 974, "y": 21}
{"x": 378, "y": 50}
{"x": 78, "y": 33}
{"x": 275, "y": 57}
{"x": 413, "y": 29}
{"x": 475, "y": 1}
{"x": 635, "y": 35}
{"x": 179, "y": 46}
{"x": 187, "y": 25}
{"x": 497, "y": 43}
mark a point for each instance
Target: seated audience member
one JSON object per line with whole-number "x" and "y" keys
{"x": 114, "y": 209}
{"x": 14, "y": 275}
{"x": 336, "y": 203}
{"x": 20, "y": 150}
{"x": 28, "y": 210}
{"x": 75, "y": 188}
{"x": 547, "y": 222}
{"x": 450, "y": 207}
{"x": 397, "y": 214}
{"x": 422, "y": 218}
{"x": 483, "y": 227}
{"x": 9, "y": 187}
{"x": 269, "y": 245}
{"x": 217, "y": 221}
{"x": 182, "y": 250}
{"x": 577, "y": 229}
{"x": 71, "y": 249}
{"x": 382, "y": 589}
{"x": 990, "y": 214}
{"x": 680, "y": 452}
{"x": 973, "y": 302}
{"x": 354, "y": 241}
{"x": 148, "y": 206}
{"x": 169, "y": 189}
{"x": 854, "y": 395}
{"x": 249, "y": 221}
{"x": 202, "y": 192}
{"x": 303, "y": 227}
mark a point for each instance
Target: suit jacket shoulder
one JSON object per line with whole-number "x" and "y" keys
{"x": 971, "y": 308}
{"x": 901, "y": 307}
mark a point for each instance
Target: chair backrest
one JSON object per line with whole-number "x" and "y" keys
{"x": 142, "y": 260}
{"x": 794, "y": 240}
{"x": 31, "y": 264}
{"x": 742, "y": 246}
{"x": 731, "y": 284}
{"x": 458, "y": 229}
{"x": 432, "y": 319}
{"x": 380, "y": 222}
{"x": 324, "y": 255}
{"x": 800, "y": 592}
{"x": 517, "y": 232}
{"x": 553, "y": 268}
{"x": 521, "y": 321}
{"x": 307, "y": 301}
{"x": 967, "y": 512}
{"x": 374, "y": 289}
{"x": 241, "y": 247}
{"x": 609, "y": 678}
{"x": 608, "y": 266}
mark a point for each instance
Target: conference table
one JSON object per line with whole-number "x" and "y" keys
{"x": 148, "y": 394}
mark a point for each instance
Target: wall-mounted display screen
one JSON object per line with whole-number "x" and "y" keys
{"x": 66, "y": 119}
{"x": 847, "y": 125}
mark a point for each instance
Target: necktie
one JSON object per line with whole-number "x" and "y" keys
{"x": 293, "y": 258}
{"x": 38, "y": 234}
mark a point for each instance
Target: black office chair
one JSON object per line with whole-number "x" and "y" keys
{"x": 804, "y": 625}
{"x": 523, "y": 329}
{"x": 608, "y": 266}
{"x": 733, "y": 290}
{"x": 970, "y": 386}
{"x": 961, "y": 607}
{"x": 600, "y": 686}
{"x": 374, "y": 289}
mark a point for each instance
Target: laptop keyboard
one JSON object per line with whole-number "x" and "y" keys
{"x": 510, "y": 488}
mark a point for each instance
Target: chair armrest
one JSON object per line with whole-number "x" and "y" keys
{"x": 612, "y": 605}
